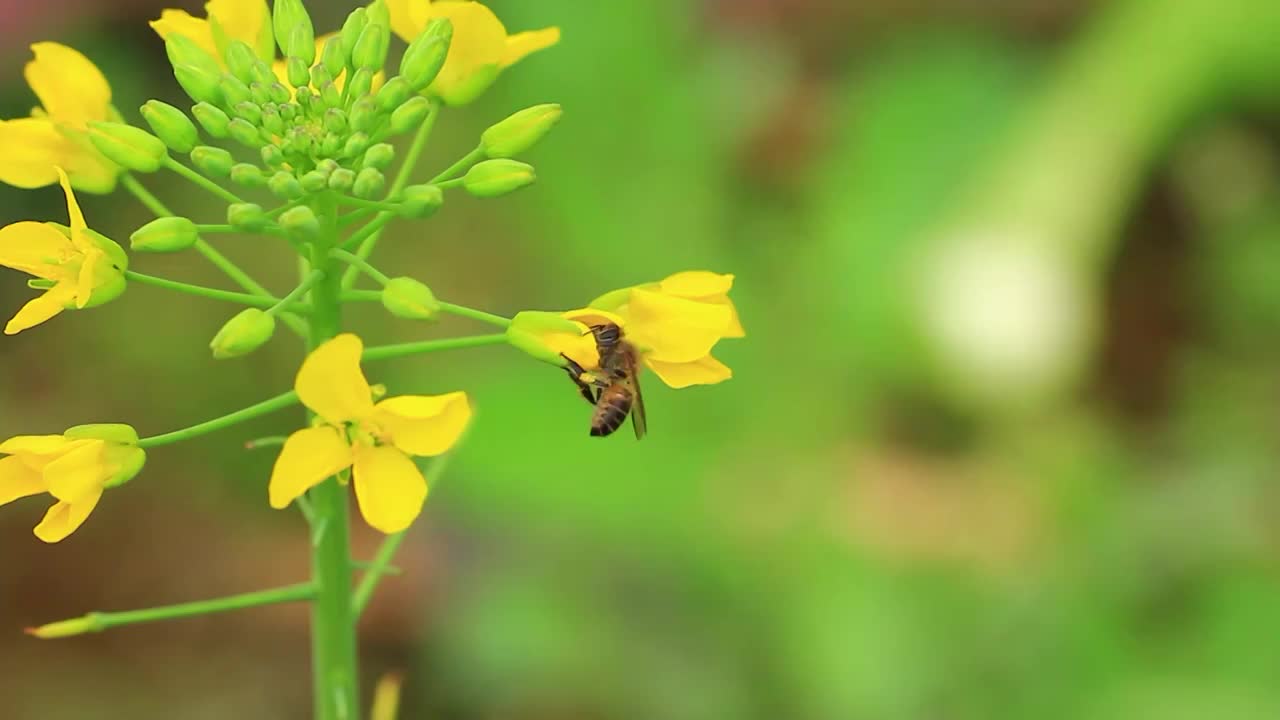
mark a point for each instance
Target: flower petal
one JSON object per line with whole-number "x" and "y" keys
{"x": 17, "y": 480}
{"x": 243, "y": 20}
{"x": 331, "y": 382}
{"x": 34, "y": 248}
{"x": 79, "y": 237}
{"x": 78, "y": 473}
{"x": 674, "y": 329}
{"x": 389, "y": 487}
{"x": 424, "y": 424}
{"x": 31, "y": 147}
{"x": 41, "y": 308}
{"x": 525, "y": 43}
{"x": 704, "y": 371}
{"x": 197, "y": 30}
{"x": 696, "y": 284}
{"x": 308, "y": 457}
{"x": 36, "y": 445}
{"x": 71, "y": 88}
{"x": 88, "y": 274}
{"x": 402, "y": 22}
{"x": 64, "y": 517}
{"x": 475, "y": 53}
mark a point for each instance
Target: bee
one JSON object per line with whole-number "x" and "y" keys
{"x": 615, "y": 390}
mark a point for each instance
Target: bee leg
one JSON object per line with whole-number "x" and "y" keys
{"x": 575, "y": 372}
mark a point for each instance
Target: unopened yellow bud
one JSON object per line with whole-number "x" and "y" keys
{"x": 407, "y": 298}
{"x": 243, "y": 334}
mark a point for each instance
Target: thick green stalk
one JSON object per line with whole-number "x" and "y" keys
{"x": 333, "y": 640}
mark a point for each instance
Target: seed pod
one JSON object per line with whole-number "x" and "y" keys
{"x": 171, "y": 125}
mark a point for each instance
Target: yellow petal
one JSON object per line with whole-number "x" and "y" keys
{"x": 674, "y": 329}
{"x": 37, "y": 445}
{"x": 704, "y": 371}
{"x": 197, "y": 30}
{"x": 522, "y": 44}
{"x": 423, "y": 424}
{"x": 734, "y": 329}
{"x": 34, "y": 248}
{"x": 64, "y": 517}
{"x": 88, "y": 273}
{"x": 41, "y": 308}
{"x": 78, "y": 236}
{"x": 72, "y": 90}
{"x": 306, "y": 460}
{"x": 242, "y": 20}
{"x": 32, "y": 147}
{"x": 475, "y": 53}
{"x": 78, "y": 473}
{"x": 697, "y": 284}
{"x": 17, "y": 480}
{"x": 389, "y": 487}
{"x": 331, "y": 382}
{"x": 402, "y": 22}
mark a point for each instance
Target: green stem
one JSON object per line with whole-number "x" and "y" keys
{"x": 356, "y": 216}
{"x": 99, "y": 621}
{"x": 202, "y": 181}
{"x": 334, "y": 668}
{"x": 360, "y": 264}
{"x": 214, "y": 229}
{"x": 464, "y": 162}
{"x": 480, "y": 315}
{"x": 388, "y": 352}
{"x": 450, "y": 184}
{"x": 266, "y": 406}
{"x": 369, "y": 230}
{"x": 384, "y": 205}
{"x": 212, "y": 293}
{"x": 369, "y": 242}
{"x": 356, "y": 295}
{"x": 303, "y": 288}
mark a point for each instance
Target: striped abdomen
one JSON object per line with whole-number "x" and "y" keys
{"x": 611, "y": 409}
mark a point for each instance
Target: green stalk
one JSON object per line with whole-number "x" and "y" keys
{"x": 303, "y": 288}
{"x": 201, "y": 181}
{"x": 213, "y": 293}
{"x": 482, "y": 316}
{"x": 360, "y": 264}
{"x": 266, "y": 406}
{"x": 387, "y": 352}
{"x": 334, "y": 669}
{"x": 463, "y": 163}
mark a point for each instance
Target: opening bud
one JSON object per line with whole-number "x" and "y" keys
{"x": 171, "y": 125}
{"x": 492, "y": 178}
{"x": 520, "y": 131}
{"x": 182, "y": 50}
{"x": 248, "y": 175}
{"x": 407, "y": 298}
{"x": 285, "y": 186}
{"x": 212, "y": 119}
{"x": 166, "y": 234}
{"x": 425, "y": 56}
{"x": 410, "y": 115}
{"x": 247, "y": 217}
{"x": 379, "y": 156}
{"x": 243, "y": 334}
{"x": 300, "y": 222}
{"x": 121, "y": 454}
{"x": 294, "y": 33}
{"x": 421, "y": 201}
{"x": 212, "y": 161}
{"x": 369, "y": 182}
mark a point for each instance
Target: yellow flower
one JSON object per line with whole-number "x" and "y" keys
{"x": 246, "y": 20}
{"x": 375, "y": 440}
{"x": 79, "y": 267}
{"x": 72, "y": 92}
{"x": 73, "y": 467}
{"x": 481, "y": 47}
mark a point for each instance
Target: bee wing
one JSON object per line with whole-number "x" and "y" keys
{"x": 638, "y": 420}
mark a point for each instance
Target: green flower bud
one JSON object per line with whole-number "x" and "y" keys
{"x": 300, "y": 222}
{"x": 166, "y": 234}
{"x": 243, "y": 334}
{"x": 327, "y": 166}
{"x": 245, "y": 133}
{"x": 370, "y": 50}
{"x": 285, "y": 186}
{"x": 247, "y": 217}
{"x": 351, "y": 29}
{"x": 234, "y": 92}
{"x": 118, "y": 433}
{"x": 278, "y": 94}
{"x": 379, "y": 156}
{"x": 528, "y": 331}
{"x": 360, "y": 84}
{"x": 369, "y": 182}
{"x": 199, "y": 84}
{"x": 331, "y": 96}
{"x": 378, "y": 13}
{"x": 363, "y": 115}
{"x": 355, "y": 145}
{"x": 241, "y": 60}
{"x": 288, "y": 111}
{"x": 298, "y": 72}
{"x": 393, "y": 93}
{"x": 213, "y": 120}
{"x": 492, "y": 178}
{"x": 294, "y": 33}
{"x": 248, "y": 175}
{"x": 330, "y": 144}
{"x": 425, "y": 56}
{"x": 271, "y": 120}
{"x": 335, "y": 121}
{"x": 249, "y": 112}
{"x": 127, "y": 146}
{"x": 314, "y": 181}
{"x": 410, "y": 115}
{"x": 342, "y": 179}
{"x": 272, "y": 155}
{"x": 264, "y": 75}
{"x": 212, "y": 161}
{"x": 258, "y": 93}
{"x": 121, "y": 449}
{"x": 407, "y": 298}
{"x": 320, "y": 76}
{"x": 332, "y": 58}
{"x": 520, "y": 131}
{"x": 182, "y": 50}
{"x": 169, "y": 124}
{"x": 421, "y": 201}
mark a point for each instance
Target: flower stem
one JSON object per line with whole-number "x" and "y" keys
{"x": 303, "y": 288}
{"x": 333, "y": 641}
{"x": 384, "y": 205}
{"x": 213, "y": 293}
{"x": 202, "y": 181}
{"x": 387, "y": 352}
{"x": 368, "y": 243}
{"x": 480, "y": 315}
{"x": 360, "y": 264}
{"x": 464, "y": 162}
{"x": 370, "y": 229}
{"x": 98, "y": 621}
{"x": 266, "y": 406}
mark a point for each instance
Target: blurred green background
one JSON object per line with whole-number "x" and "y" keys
{"x": 1001, "y": 443}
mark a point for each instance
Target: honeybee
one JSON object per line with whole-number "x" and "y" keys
{"x": 615, "y": 389}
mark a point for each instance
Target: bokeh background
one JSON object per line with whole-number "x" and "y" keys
{"x": 1002, "y": 440}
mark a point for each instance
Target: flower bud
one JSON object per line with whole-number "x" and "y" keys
{"x": 360, "y": 84}
{"x": 278, "y": 94}
{"x": 327, "y": 166}
{"x": 118, "y": 433}
{"x": 212, "y": 161}
{"x": 379, "y": 156}
{"x": 355, "y": 145}
{"x": 407, "y": 298}
{"x": 247, "y": 217}
{"x": 271, "y": 120}
{"x": 335, "y": 121}
{"x": 166, "y": 234}
{"x": 332, "y": 58}
{"x": 294, "y": 32}
{"x": 544, "y": 335}
{"x": 370, "y": 50}
{"x": 169, "y": 124}
{"x": 351, "y": 29}
{"x": 314, "y": 181}
{"x": 249, "y": 112}
{"x": 234, "y": 92}
{"x": 378, "y": 13}
{"x": 288, "y": 111}
{"x": 285, "y": 186}
{"x": 342, "y": 179}
{"x": 127, "y": 146}
{"x": 241, "y": 60}
{"x": 331, "y": 96}
{"x": 298, "y": 72}
{"x": 182, "y": 50}
{"x": 248, "y": 175}
{"x": 330, "y": 144}
{"x": 421, "y": 201}
{"x": 410, "y": 115}
{"x": 520, "y": 131}
{"x": 492, "y": 178}
{"x": 212, "y": 119}
{"x": 258, "y": 92}
{"x": 272, "y": 155}
{"x": 369, "y": 182}
{"x": 393, "y": 93}
{"x": 363, "y": 115}
{"x": 300, "y": 222}
{"x": 66, "y": 628}
{"x": 245, "y": 133}
{"x": 425, "y": 56}
{"x": 199, "y": 84}
{"x": 243, "y": 334}
{"x": 121, "y": 451}
{"x": 320, "y": 76}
